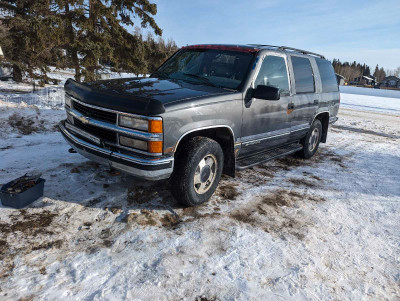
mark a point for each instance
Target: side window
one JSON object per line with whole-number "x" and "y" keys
{"x": 328, "y": 76}
{"x": 303, "y": 75}
{"x": 273, "y": 73}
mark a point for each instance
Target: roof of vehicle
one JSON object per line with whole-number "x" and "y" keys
{"x": 252, "y": 48}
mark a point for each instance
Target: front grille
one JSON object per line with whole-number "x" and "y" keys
{"x": 101, "y": 133}
{"x": 95, "y": 113}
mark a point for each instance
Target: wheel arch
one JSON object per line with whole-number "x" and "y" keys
{"x": 323, "y": 117}
{"x": 223, "y": 134}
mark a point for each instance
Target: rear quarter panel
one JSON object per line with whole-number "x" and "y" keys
{"x": 328, "y": 101}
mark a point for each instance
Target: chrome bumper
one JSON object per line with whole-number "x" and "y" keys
{"x": 149, "y": 169}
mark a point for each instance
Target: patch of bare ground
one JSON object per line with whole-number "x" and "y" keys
{"x": 203, "y": 298}
{"x": 48, "y": 245}
{"x": 302, "y": 182}
{"x": 289, "y": 162}
{"x": 145, "y": 218}
{"x": 277, "y": 213}
{"x": 228, "y": 191}
{"x": 24, "y": 125}
{"x": 30, "y": 229}
{"x": 143, "y": 194}
{"x": 170, "y": 221}
{"x": 29, "y": 224}
{"x": 191, "y": 214}
{"x": 253, "y": 176}
{"x": 78, "y": 168}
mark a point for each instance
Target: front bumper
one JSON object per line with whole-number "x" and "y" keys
{"x": 149, "y": 169}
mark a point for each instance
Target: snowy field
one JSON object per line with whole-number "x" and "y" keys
{"x": 321, "y": 229}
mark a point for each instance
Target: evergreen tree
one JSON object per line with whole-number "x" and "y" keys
{"x": 77, "y": 34}
{"x": 31, "y": 37}
{"x": 157, "y": 51}
{"x": 96, "y": 31}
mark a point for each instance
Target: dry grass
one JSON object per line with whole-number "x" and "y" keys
{"x": 275, "y": 213}
{"x": 26, "y": 126}
{"x": 228, "y": 191}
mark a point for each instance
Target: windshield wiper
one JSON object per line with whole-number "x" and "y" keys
{"x": 203, "y": 79}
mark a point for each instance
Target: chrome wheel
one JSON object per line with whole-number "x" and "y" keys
{"x": 205, "y": 173}
{"x": 313, "y": 141}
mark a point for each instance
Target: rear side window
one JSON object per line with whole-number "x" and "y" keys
{"x": 328, "y": 76}
{"x": 303, "y": 75}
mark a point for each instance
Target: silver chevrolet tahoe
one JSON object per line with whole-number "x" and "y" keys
{"x": 208, "y": 110}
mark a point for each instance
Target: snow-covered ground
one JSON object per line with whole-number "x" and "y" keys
{"x": 370, "y": 91}
{"x": 321, "y": 229}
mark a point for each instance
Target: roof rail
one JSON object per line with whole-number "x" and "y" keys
{"x": 260, "y": 45}
{"x": 301, "y": 51}
{"x": 291, "y": 49}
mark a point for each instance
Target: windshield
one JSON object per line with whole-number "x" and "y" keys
{"x": 214, "y": 67}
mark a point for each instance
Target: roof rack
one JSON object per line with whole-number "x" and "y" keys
{"x": 291, "y": 49}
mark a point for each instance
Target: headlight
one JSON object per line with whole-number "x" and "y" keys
{"x": 68, "y": 100}
{"x": 151, "y": 125}
{"x": 134, "y": 123}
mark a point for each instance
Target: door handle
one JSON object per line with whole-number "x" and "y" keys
{"x": 316, "y": 101}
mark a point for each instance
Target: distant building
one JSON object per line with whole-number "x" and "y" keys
{"x": 364, "y": 80}
{"x": 340, "y": 79}
{"x": 391, "y": 81}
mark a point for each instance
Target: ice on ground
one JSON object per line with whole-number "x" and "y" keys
{"x": 291, "y": 229}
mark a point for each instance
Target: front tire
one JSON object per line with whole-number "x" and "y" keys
{"x": 311, "y": 141}
{"x": 197, "y": 172}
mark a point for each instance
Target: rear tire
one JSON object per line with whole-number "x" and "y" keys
{"x": 311, "y": 141}
{"x": 197, "y": 171}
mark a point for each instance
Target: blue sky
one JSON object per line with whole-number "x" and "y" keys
{"x": 363, "y": 30}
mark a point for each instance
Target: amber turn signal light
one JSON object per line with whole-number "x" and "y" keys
{"x": 155, "y": 126}
{"x": 155, "y": 147}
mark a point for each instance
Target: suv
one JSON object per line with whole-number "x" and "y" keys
{"x": 208, "y": 110}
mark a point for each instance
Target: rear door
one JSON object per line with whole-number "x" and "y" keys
{"x": 305, "y": 100}
{"x": 265, "y": 122}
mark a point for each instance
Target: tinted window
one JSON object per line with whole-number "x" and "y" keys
{"x": 273, "y": 73}
{"x": 328, "y": 76}
{"x": 222, "y": 68}
{"x": 303, "y": 75}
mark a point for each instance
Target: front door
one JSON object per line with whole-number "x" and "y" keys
{"x": 265, "y": 122}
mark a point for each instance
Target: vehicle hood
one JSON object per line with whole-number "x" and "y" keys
{"x": 146, "y": 96}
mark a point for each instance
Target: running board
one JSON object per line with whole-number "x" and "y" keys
{"x": 267, "y": 156}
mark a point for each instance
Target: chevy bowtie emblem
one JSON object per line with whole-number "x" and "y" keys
{"x": 84, "y": 119}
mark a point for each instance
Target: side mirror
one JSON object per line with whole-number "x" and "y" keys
{"x": 266, "y": 92}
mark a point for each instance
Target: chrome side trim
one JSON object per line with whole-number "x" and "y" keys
{"x": 203, "y": 128}
{"x": 264, "y": 136}
{"x": 300, "y": 127}
{"x": 112, "y": 127}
